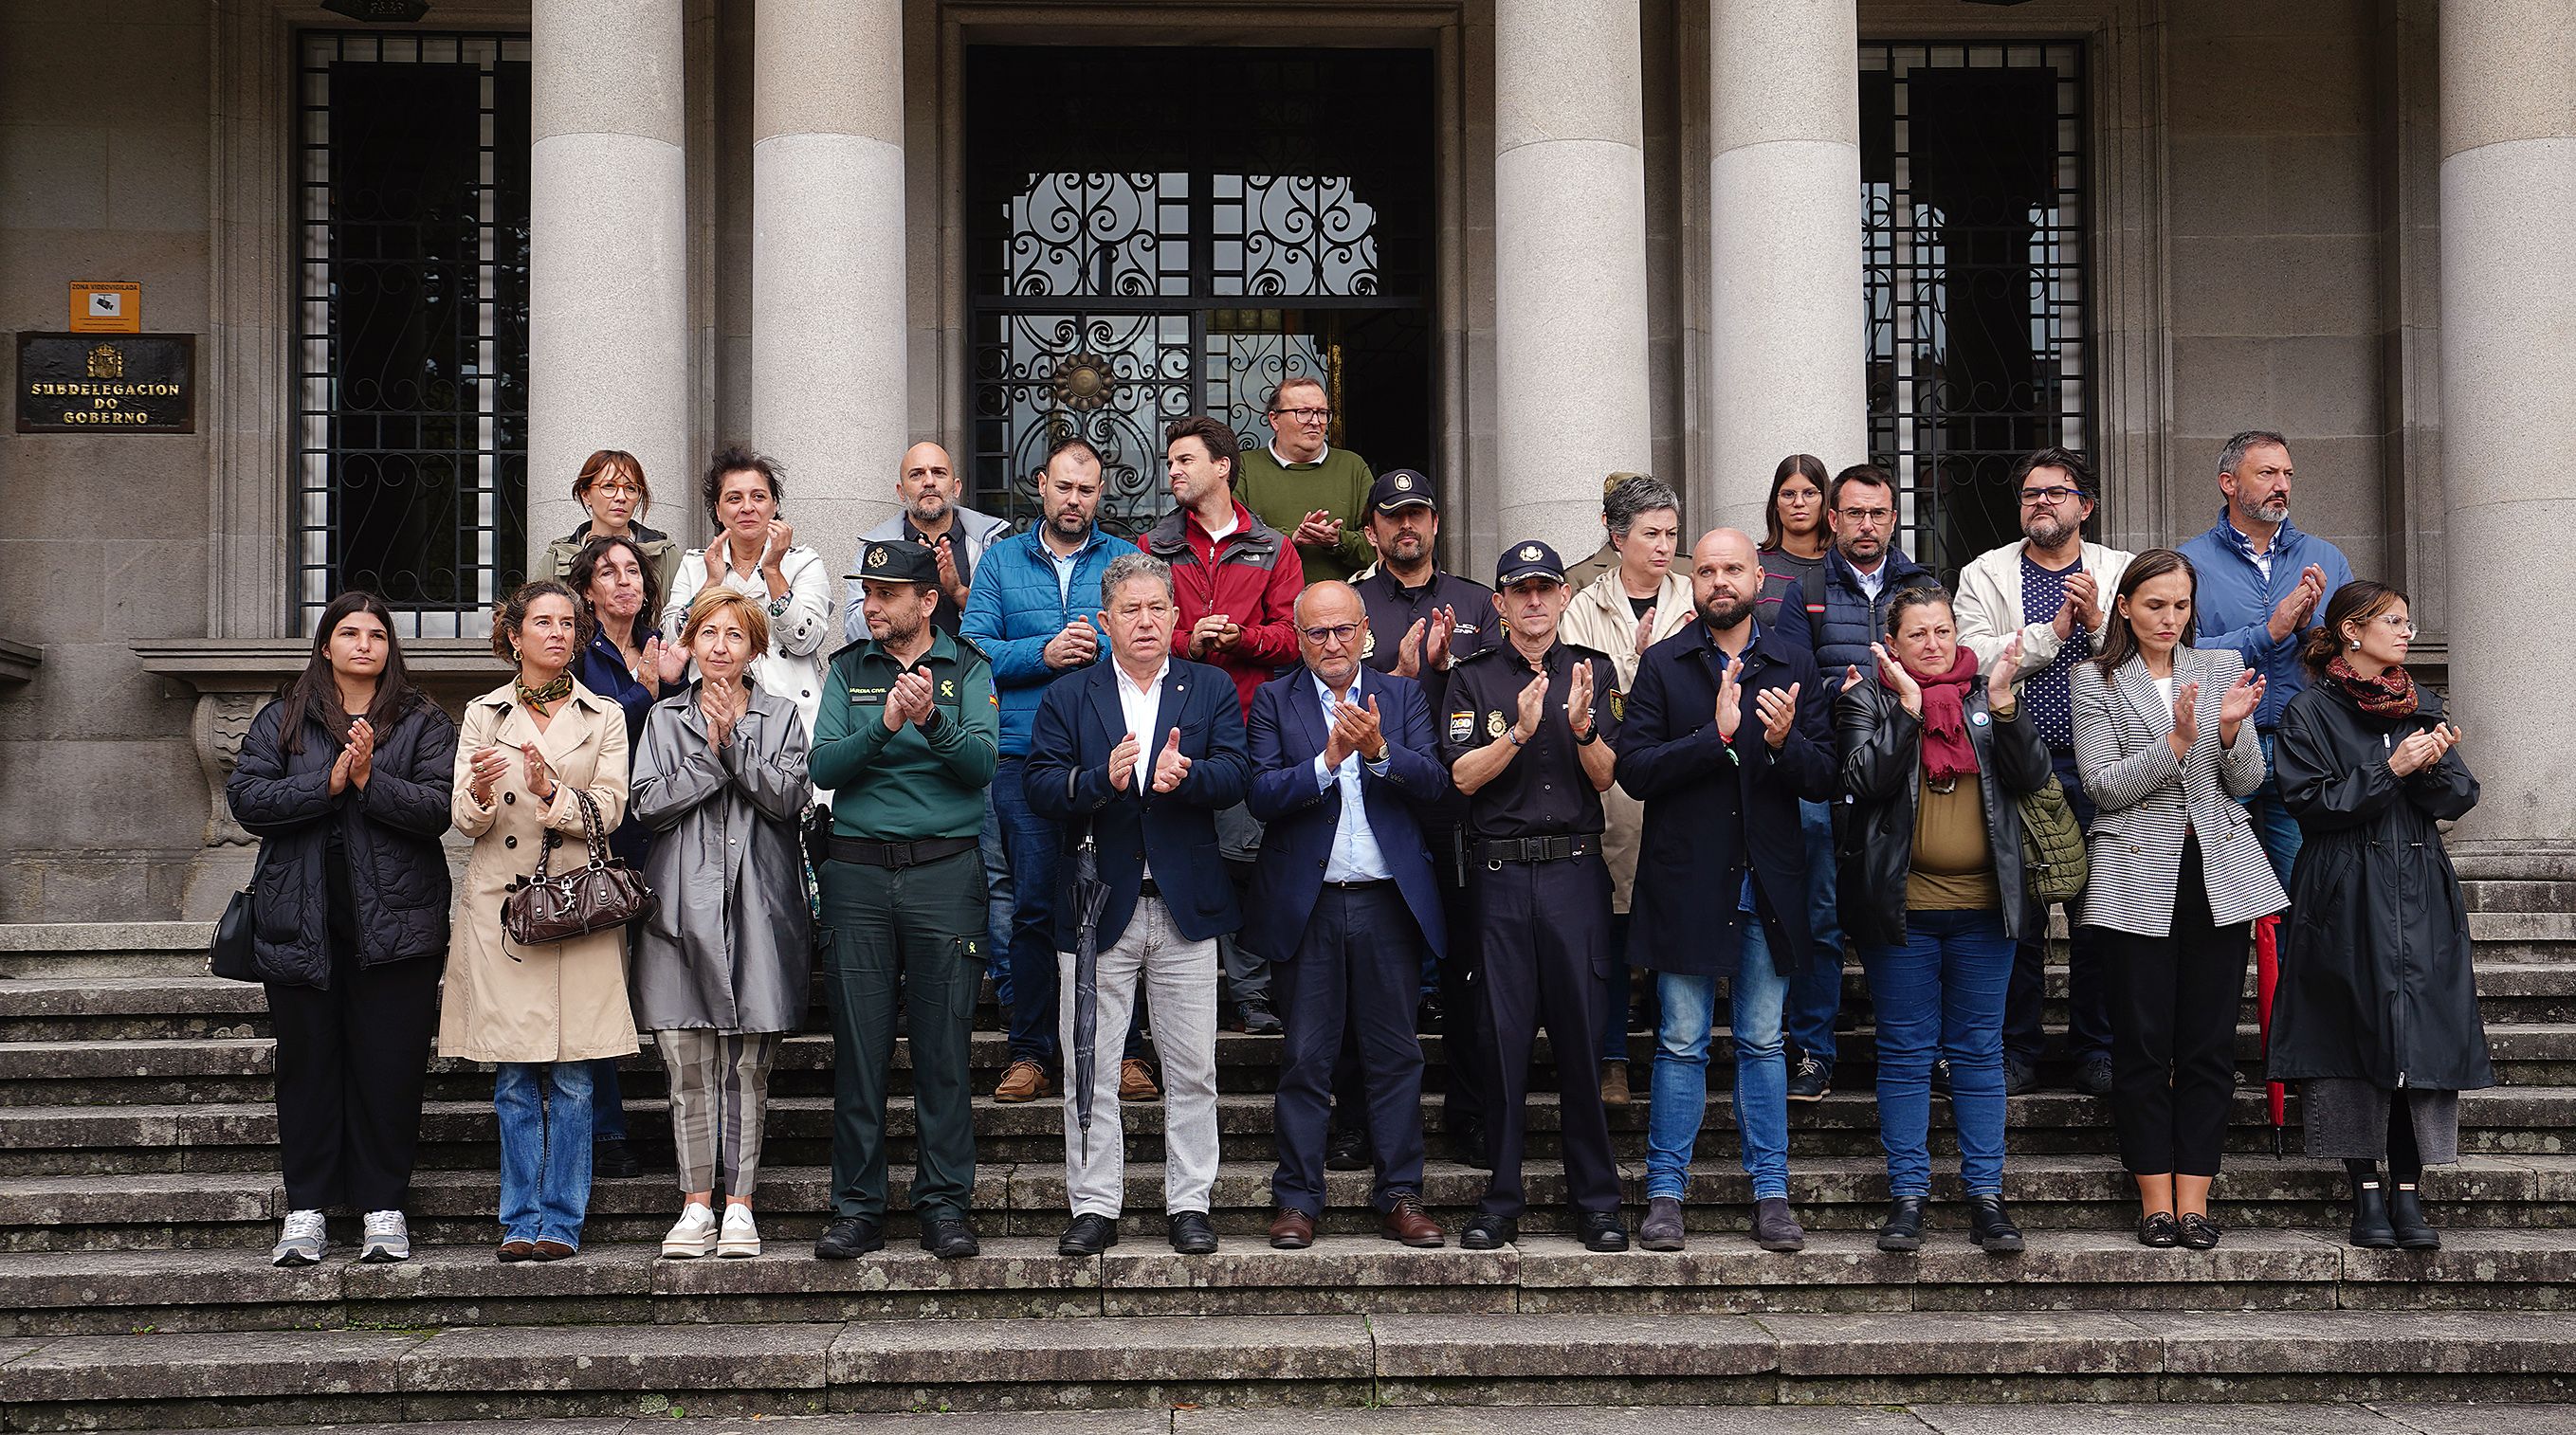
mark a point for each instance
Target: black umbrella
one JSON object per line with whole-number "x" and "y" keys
{"x": 1090, "y": 894}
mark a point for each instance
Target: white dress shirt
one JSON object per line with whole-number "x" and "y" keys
{"x": 1141, "y": 705}
{"x": 1355, "y": 857}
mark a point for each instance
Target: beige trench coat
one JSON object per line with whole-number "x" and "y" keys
{"x": 1598, "y": 617}
{"x": 565, "y": 1001}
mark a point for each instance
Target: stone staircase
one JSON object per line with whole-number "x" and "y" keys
{"x": 138, "y": 1194}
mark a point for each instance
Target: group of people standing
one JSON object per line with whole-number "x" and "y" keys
{"x": 1271, "y": 761}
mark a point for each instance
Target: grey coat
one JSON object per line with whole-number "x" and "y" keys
{"x": 730, "y": 943}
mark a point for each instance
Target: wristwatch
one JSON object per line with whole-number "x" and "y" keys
{"x": 1588, "y": 736}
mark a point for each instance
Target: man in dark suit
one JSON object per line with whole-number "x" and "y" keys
{"x": 1346, "y": 902}
{"x": 1135, "y": 756}
{"x": 1726, "y": 729}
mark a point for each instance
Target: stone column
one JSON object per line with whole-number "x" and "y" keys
{"x": 1786, "y": 367}
{"x": 608, "y": 261}
{"x": 1570, "y": 265}
{"x": 2508, "y": 398}
{"x": 828, "y": 345}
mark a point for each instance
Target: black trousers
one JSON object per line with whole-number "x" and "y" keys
{"x": 1545, "y": 934}
{"x": 1464, "y": 1034}
{"x": 1351, "y": 983}
{"x": 2173, "y": 1033}
{"x": 351, "y": 1064}
{"x": 2088, "y": 993}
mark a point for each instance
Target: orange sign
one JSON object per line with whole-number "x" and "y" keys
{"x": 102, "y": 306}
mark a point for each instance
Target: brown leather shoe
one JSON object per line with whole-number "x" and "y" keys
{"x": 1291, "y": 1230}
{"x": 513, "y": 1252}
{"x": 1025, "y": 1081}
{"x": 1614, "y": 1083}
{"x": 552, "y": 1251}
{"x": 1406, "y": 1223}
{"x": 1136, "y": 1082}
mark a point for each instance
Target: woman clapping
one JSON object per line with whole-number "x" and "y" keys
{"x": 1934, "y": 756}
{"x": 2377, "y": 1012}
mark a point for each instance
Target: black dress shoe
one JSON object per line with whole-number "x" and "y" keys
{"x": 1087, "y": 1236}
{"x": 1258, "y": 1019}
{"x": 2019, "y": 1076}
{"x": 611, "y": 1158}
{"x": 2406, "y": 1218}
{"x": 2199, "y": 1232}
{"x": 2159, "y": 1230}
{"x": 1192, "y": 1235}
{"x": 1602, "y": 1231}
{"x": 1348, "y": 1151}
{"x": 1992, "y": 1230}
{"x": 1902, "y": 1231}
{"x": 949, "y": 1238}
{"x": 1489, "y": 1233}
{"x": 849, "y": 1238}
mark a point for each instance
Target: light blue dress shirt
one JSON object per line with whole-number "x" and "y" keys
{"x": 1356, "y": 857}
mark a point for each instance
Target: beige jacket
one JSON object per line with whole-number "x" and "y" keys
{"x": 1599, "y": 618}
{"x": 565, "y": 1001}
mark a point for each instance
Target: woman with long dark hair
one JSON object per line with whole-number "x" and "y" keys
{"x": 2377, "y": 1013}
{"x": 345, "y": 781}
{"x": 2165, "y": 739}
{"x": 627, "y": 662}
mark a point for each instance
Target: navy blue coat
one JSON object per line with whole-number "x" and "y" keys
{"x": 1067, "y": 782}
{"x": 1287, "y": 734}
{"x": 1708, "y": 815}
{"x": 1853, "y": 620}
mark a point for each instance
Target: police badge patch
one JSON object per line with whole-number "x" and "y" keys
{"x": 1462, "y": 726}
{"x": 1494, "y": 724}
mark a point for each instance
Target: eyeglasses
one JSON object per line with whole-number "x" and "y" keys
{"x": 2052, "y": 496}
{"x": 616, "y": 486}
{"x": 1303, "y": 416}
{"x": 1328, "y": 637}
{"x": 1868, "y": 515}
{"x": 2397, "y": 623}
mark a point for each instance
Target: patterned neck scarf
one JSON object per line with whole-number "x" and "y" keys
{"x": 2390, "y": 695}
{"x": 539, "y": 699}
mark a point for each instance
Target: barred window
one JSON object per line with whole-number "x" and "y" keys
{"x": 1973, "y": 179}
{"x": 410, "y": 403}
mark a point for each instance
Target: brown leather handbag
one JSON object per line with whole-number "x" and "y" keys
{"x": 603, "y": 895}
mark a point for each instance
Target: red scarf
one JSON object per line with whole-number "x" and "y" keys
{"x": 2390, "y": 695}
{"x": 1947, "y": 753}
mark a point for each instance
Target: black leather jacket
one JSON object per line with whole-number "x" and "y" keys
{"x": 1882, "y": 748}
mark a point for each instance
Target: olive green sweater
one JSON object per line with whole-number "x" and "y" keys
{"x": 1284, "y": 494}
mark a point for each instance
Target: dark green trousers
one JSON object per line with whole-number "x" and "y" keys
{"x": 911, "y": 938}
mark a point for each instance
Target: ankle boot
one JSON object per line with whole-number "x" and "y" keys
{"x": 1903, "y": 1229}
{"x": 2370, "y": 1228}
{"x": 2406, "y": 1218}
{"x": 1990, "y": 1228}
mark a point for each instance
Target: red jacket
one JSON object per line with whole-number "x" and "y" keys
{"x": 1253, "y": 577}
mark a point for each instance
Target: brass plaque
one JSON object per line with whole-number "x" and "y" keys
{"x": 107, "y": 383}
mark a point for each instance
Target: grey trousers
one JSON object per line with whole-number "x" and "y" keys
{"x": 719, "y": 1105}
{"x": 1179, "y": 978}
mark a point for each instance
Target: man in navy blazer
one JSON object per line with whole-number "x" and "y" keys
{"x": 1345, "y": 902}
{"x": 1728, "y": 727}
{"x": 1136, "y": 756}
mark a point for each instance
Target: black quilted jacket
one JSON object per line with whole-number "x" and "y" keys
{"x": 390, "y": 830}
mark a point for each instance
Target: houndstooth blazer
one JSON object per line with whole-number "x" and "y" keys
{"x": 2146, "y": 803}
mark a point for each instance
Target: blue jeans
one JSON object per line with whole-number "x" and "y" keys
{"x": 2273, "y": 822}
{"x": 1816, "y": 992}
{"x": 607, "y": 1103}
{"x": 544, "y": 1111}
{"x": 1941, "y": 993}
{"x": 1029, "y": 846}
{"x": 997, "y": 904}
{"x": 1680, "y": 1089}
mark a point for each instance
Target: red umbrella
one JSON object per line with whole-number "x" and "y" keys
{"x": 2267, "y": 975}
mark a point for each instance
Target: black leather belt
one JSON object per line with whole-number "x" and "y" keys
{"x": 898, "y": 855}
{"x": 1361, "y": 886}
{"x": 1494, "y": 852}
{"x": 1145, "y": 888}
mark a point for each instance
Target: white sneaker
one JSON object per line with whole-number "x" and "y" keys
{"x": 301, "y": 1242}
{"x": 388, "y": 1238}
{"x": 741, "y": 1238}
{"x": 694, "y": 1236}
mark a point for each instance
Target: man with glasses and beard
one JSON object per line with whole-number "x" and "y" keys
{"x": 2053, "y": 589}
{"x": 1727, "y": 729}
{"x": 1864, "y": 570}
{"x": 931, "y": 516}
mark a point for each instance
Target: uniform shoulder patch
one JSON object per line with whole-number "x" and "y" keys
{"x": 1462, "y": 725}
{"x": 1618, "y": 705}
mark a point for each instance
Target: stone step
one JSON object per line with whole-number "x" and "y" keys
{"x": 242, "y": 1136}
{"x": 503, "y": 1373}
{"x": 104, "y": 949}
{"x": 188, "y": 1210}
{"x": 1022, "y": 1277}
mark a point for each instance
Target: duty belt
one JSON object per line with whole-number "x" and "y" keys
{"x": 1494, "y": 852}
{"x": 898, "y": 854}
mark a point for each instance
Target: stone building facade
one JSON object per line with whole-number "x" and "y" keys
{"x": 429, "y": 266}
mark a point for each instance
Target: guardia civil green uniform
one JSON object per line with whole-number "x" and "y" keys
{"x": 903, "y": 900}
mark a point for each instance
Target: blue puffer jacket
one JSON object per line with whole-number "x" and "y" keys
{"x": 2232, "y": 603}
{"x": 1851, "y": 620}
{"x": 1014, "y": 607}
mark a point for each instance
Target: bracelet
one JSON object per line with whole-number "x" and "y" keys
{"x": 778, "y": 607}
{"x": 1587, "y": 737}
{"x": 1514, "y": 733}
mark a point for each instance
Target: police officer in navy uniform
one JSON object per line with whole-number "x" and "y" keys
{"x": 1526, "y": 728}
{"x": 1422, "y": 622}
